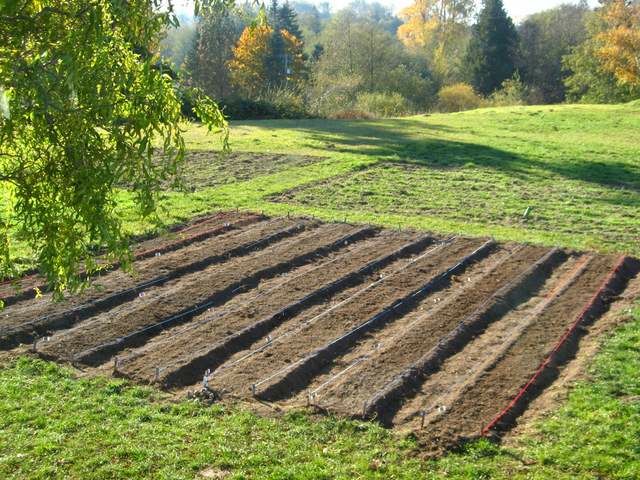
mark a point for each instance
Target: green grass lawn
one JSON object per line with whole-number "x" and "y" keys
{"x": 576, "y": 168}
{"x": 54, "y": 426}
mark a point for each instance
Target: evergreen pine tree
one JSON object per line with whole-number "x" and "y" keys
{"x": 273, "y": 14}
{"x": 288, "y": 20}
{"x": 492, "y": 51}
{"x": 278, "y": 63}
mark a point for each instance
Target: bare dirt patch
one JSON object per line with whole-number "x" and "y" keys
{"x": 203, "y": 169}
{"x": 427, "y": 334}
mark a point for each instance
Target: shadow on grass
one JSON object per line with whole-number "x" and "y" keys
{"x": 398, "y": 138}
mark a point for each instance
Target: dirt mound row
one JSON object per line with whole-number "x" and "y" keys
{"x": 481, "y": 400}
{"x": 178, "y": 301}
{"x": 443, "y": 336}
{"x": 213, "y": 337}
{"x": 23, "y": 288}
{"x": 305, "y": 334}
{"x": 440, "y": 386}
{"x": 370, "y": 389}
{"x": 26, "y": 320}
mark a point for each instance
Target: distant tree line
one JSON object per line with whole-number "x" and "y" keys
{"x": 295, "y": 59}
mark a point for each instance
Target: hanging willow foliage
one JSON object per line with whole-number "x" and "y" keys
{"x": 83, "y": 99}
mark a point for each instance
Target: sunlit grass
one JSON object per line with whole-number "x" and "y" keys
{"x": 473, "y": 173}
{"x": 55, "y": 426}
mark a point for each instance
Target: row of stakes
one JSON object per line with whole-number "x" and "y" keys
{"x": 311, "y": 396}
{"x": 205, "y": 381}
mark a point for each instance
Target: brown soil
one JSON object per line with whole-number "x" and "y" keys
{"x": 23, "y": 288}
{"x": 37, "y": 317}
{"x": 210, "y": 168}
{"x": 577, "y": 368}
{"x": 188, "y": 352}
{"x": 212, "y": 286}
{"x": 426, "y": 334}
{"x": 442, "y": 387}
{"x": 491, "y": 391}
{"x": 314, "y": 332}
{"x": 423, "y": 331}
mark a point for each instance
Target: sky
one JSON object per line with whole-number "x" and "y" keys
{"x": 518, "y": 9}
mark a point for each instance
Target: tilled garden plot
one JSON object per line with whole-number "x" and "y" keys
{"x": 293, "y": 355}
{"x": 370, "y": 386}
{"x": 213, "y": 336}
{"x": 12, "y": 291}
{"x": 472, "y": 408}
{"x": 23, "y": 321}
{"x": 179, "y": 300}
{"x": 449, "y": 337}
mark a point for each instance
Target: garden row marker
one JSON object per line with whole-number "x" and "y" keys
{"x": 205, "y": 379}
{"x": 314, "y": 393}
{"x": 565, "y": 337}
{"x": 334, "y": 307}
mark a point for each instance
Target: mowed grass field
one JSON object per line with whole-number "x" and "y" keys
{"x": 574, "y": 169}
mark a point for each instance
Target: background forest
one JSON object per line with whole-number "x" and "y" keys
{"x": 297, "y": 59}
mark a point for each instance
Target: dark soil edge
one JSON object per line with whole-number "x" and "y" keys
{"x": 218, "y": 354}
{"x": 385, "y": 403}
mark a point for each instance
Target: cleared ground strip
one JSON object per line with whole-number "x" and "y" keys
{"x": 448, "y": 337}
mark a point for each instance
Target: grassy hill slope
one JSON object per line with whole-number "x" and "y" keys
{"x": 576, "y": 169}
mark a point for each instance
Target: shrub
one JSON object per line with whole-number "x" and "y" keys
{"x": 287, "y": 102}
{"x": 248, "y": 109}
{"x": 378, "y": 104}
{"x": 419, "y": 91}
{"x": 351, "y": 114}
{"x": 458, "y": 97}
{"x": 512, "y": 92}
{"x": 268, "y": 104}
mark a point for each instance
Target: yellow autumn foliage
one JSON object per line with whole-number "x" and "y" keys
{"x": 620, "y": 50}
{"x": 249, "y": 64}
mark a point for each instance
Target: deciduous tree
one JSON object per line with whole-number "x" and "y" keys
{"x": 248, "y": 66}
{"x": 586, "y": 79}
{"x": 545, "y": 38}
{"x": 83, "y": 98}
{"x": 620, "y": 41}
{"x": 218, "y": 31}
{"x": 440, "y": 28}
{"x": 253, "y": 60}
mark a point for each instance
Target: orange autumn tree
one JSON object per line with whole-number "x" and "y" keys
{"x": 620, "y": 41}
{"x": 251, "y": 59}
{"x": 248, "y": 66}
{"x": 440, "y": 28}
